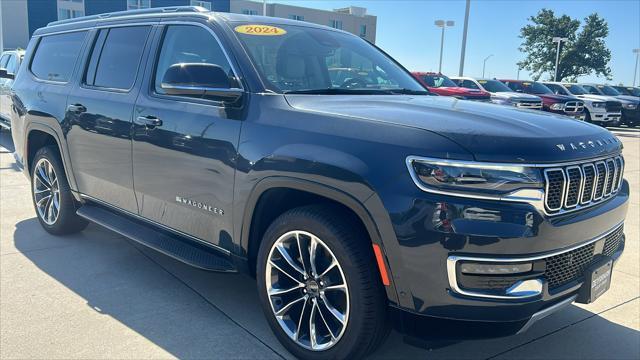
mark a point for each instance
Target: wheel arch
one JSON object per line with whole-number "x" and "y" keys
{"x": 38, "y": 135}
{"x": 305, "y": 192}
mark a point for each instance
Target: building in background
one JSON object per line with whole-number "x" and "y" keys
{"x": 20, "y": 18}
{"x": 352, "y": 19}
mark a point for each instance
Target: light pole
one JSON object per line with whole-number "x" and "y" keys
{"x": 442, "y": 24}
{"x": 635, "y": 70}
{"x": 264, "y": 7}
{"x": 484, "y": 63}
{"x": 464, "y": 38}
{"x": 558, "y": 40}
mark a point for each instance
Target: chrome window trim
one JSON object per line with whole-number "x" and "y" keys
{"x": 149, "y": 221}
{"x": 452, "y": 261}
{"x": 563, "y": 192}
{"x": 580, "y": 186}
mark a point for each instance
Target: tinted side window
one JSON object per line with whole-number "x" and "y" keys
{"x": 556, "y": 89}
{"x": 189, "y": 44}
{"x": 56, "y": 55}
{"x": 3, "y": 61}
{"x": 470, "y": 84}
{"x": 116, "y": 57}
{"x": 12, "y": 65}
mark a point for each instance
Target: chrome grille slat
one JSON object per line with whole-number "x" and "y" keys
{"x": 576, "y": 186}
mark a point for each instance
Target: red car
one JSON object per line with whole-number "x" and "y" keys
{"x": 442, "y": 85}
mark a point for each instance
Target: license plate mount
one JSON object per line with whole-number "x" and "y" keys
{"x": 597, "y": 281}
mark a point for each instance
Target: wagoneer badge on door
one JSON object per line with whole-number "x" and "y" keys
{"x": 199, "y": 205}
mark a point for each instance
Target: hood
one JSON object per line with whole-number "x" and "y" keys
{"x": 591, "y": 97}
{"x": 489, "y": 132}
{"x": 557, "y": 97}
{"x": 515, "y": 96}
{"x": 627, "y": 99}
{"x": 460, "y": 91}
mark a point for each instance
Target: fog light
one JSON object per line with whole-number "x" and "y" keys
{"x": 495, "y": 269}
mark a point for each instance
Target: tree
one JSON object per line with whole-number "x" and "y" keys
{"x": 584, "y": 53}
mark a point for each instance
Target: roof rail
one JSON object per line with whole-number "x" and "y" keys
{"x": 148, "y": 11}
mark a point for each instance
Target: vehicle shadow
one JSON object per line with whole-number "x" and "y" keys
{"x": 117, "y": 280}
{"x": 203, "y": 314}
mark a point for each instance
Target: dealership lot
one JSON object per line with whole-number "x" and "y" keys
{"x": 98, "y": 295}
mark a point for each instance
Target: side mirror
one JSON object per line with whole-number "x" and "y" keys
{"x": 199, "y": 79}
{"x": 5, "y": 75}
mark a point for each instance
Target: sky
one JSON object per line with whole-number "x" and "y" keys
{"x": 406, "y": 31}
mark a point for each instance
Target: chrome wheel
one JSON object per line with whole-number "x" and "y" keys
{"x": 46, "y": 191}
{"x": 307, "y": 290}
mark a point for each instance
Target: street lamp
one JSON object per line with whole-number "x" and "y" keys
{"x": 484, "y": 63}
{"x": 558, "y": 40}
{"x": 264, "y": 7}
{"x": 635, "y": 70}
{"x": 442, "y": 24}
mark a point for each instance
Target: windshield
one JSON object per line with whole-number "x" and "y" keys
{"x": 576, "y": 89}
{"x": 438, "y": 81}
{"x": 299, "y": 58}
{"x": 536, "y": 88}
{"x": 494, "y": 86}
{"x": 608, "y": 90}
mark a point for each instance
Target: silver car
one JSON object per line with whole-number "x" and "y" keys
{"x": 10, "y": 63}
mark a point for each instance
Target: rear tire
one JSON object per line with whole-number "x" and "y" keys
{"x": 361, "y": 302}
{"x": 54, "y": 204}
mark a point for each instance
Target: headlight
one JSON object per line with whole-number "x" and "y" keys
{"x": 557, "y": 106}
{"x": 599, "y": 105}
{"x": 630, "y": 106}
{"x": 470, "y": 178}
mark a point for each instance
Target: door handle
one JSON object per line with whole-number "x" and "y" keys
{"x": 76, "y": 108}
{"x": 149, "y": 121}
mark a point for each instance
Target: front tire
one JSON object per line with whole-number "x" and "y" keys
{"x": 319, "y": 286}
{"x": 54, "y": 204}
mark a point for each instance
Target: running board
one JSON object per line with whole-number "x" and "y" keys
{"x": 189, "y": 252}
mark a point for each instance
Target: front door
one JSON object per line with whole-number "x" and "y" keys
{"x": 99, "y": 111}
{"x": 184, "y": 148}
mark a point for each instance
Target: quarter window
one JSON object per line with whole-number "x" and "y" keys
{"x": 56, "y": 55}
{"x": 189, "y": 44}
{"x": 116, "y": 56}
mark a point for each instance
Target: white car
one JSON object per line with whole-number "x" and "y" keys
{"x": 500, "y": 93}
{"x": 10, "y": 63}
{"x": 601, "y": 109}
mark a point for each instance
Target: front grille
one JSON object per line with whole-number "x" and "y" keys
{"x": 570, "y": 266}
{"x": 612, "y": 242}
{"x": 582, "y": 184}
{"x": 613, "y": 106}
{"x": 567, "y": 267}
{"x": 529, "y": 104}
{"x": 574, "y": 107}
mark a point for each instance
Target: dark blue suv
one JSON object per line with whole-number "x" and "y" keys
{"x": 358, "y": 201}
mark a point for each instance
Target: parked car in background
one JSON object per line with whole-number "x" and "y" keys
{"x": 500, "y": 93}
{"x": 442, "y": 85}
{"x": 600, "y": 109}
{"x": 9, "y": 64}
{"x": 630, "y": 104}
{"x": 628, "y": 90}
{"x": 559, "y": 104}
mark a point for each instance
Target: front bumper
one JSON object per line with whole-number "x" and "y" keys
{"x": 432, "y": 229}
{"x": 606, "y": 117}
{"x": 630, "y": 116}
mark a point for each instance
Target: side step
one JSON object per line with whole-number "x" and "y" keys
{"x": 179, "y": 248}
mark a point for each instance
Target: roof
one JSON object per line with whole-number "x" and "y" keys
{"x": 159, "y": 12}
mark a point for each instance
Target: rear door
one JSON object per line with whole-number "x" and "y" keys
{"x": 184, "y": 166}
{"x": 99, "y": 111}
